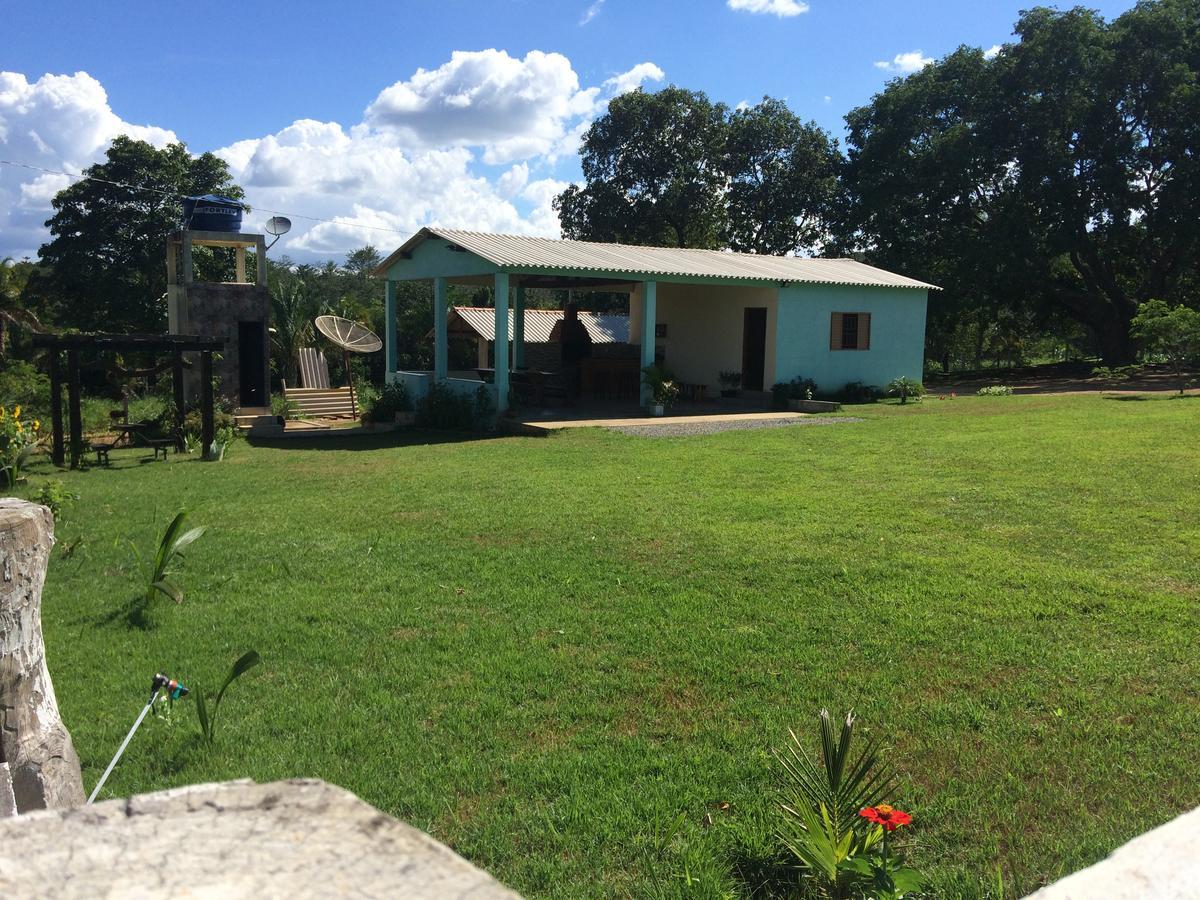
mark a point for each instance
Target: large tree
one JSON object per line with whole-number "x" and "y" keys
{"x": 654, "y": 172}
{"x": 783, "y": 181}
{"x": 673, "y": 168}
{"x": 108, "y": 249}
{"x": 1062, "y": 175}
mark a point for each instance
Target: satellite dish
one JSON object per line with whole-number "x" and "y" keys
{"x": 352, "y": 338}
{"x": 348, "y": 335}
{"x": 277, "y": 226}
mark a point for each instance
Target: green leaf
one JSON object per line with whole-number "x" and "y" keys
{"x": 245, "y": 663}
{"x": 169, "y": 590}
{"x": 906, "y": 880}
{"x": 202, "y": 715}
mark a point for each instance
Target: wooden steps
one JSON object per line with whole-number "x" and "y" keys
{"x": 321, "y": 403}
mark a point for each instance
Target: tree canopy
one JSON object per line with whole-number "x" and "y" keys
{"x": 1060, "y": 177}
{"x": 672, "y": 168}
{"x": 107, "y": 254}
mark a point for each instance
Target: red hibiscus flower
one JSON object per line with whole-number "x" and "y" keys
{"x": 887, "y": 816}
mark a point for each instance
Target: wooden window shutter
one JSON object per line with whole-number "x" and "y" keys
{"x": 864, "y": 331}
{"x": 835, "y": 331}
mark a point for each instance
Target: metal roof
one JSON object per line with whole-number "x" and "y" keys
{"x": 510, "y": 251}
{"x": 539, "y": 324}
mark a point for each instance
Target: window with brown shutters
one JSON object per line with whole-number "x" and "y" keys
{"x": 850, "y": 331}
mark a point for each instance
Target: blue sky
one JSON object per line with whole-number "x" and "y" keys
{"x": 321, "y": 110}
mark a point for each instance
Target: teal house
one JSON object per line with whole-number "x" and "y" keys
{"x": 697, "y": 312}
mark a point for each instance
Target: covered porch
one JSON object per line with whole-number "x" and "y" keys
{"x": 704, "y": 337}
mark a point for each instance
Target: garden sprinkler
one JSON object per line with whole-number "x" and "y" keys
{"x": 174, "y": 690}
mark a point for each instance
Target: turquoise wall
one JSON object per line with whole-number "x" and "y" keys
{"x": 431, "y": 258}
{"x": 802, "y": 335}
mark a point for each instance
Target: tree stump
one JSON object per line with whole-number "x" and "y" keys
{"x": 35, "y": 747}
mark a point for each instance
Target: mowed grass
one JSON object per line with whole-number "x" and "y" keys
{"x": 546, "y": 652}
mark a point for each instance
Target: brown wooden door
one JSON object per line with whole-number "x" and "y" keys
{"x": 754, "y": 347}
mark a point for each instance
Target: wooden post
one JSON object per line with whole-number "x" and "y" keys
{"x": 177, "y": 373}
{"x": 389, "y": 328}
{"x": 73, "y": 407}
{"x": 35, "y": 748}
{"x": 441, "y": 343}
{"x": 649, "y": 318}
{"x": 350, "y": 381}
{"x": 502, "y": 346}
{"x": 56, "y": 419}
{"x": 207, "y": 427}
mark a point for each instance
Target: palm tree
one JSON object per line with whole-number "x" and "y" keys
{"x": 13, "y": 278}
{"x": 292, "y": 312}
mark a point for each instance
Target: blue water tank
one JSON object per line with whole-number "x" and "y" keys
{"x": 212, "y": 213}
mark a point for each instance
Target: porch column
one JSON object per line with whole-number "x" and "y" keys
{"x": 649, "y": 317}
{"x": 502, "y": 351}
{"x": 389, "y": 327}
{"x": 441, "y": 342}
{"x": 518, "y": 353}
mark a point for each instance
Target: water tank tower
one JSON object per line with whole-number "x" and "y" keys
{"x": 236, "y": 312}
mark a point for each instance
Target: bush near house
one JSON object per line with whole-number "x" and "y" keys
{"x": 393, "y": 399}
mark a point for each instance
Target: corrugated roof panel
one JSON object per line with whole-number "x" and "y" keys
{"x": 517, "y": 251}
{"x": 539, "y": 324}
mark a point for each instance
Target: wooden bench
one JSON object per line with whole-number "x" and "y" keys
{"x": 160, "y": 445}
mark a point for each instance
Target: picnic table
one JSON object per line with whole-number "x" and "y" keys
{"x": 127, "y": 435}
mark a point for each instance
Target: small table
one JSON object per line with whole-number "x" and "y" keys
{"x": 126, "y": 433}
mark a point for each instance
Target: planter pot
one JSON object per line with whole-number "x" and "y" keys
{"x": 813, "y": 406}
{"x": 657, "y": 409}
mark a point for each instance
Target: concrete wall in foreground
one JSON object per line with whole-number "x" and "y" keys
{"x": 1163, "y": 864}
{"x": 298, "y": 838}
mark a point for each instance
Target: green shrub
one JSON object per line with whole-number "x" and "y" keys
{"x": 796, "y": 389}
{"x": 23, "y": 385}
{"x": 857, "y": 392}
{"x": 1115, "y": 373}
{"x": 447, "y": 410}
{"x": 995, "y": 390}
{"x": 663, "y": 388}
{"x": 222, "y": 422}
{"x": 283, "y": 406}
{"x": 393, "y": 399}
{"x": 906, "y": 389}
{"x": 53, "y": 494}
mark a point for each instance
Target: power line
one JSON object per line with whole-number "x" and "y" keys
{"x": 177, "y": 196}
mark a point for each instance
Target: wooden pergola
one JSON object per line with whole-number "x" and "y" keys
{"x": 73, "y": 344}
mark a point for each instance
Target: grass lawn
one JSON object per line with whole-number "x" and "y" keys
{"x": 545, "y": 651}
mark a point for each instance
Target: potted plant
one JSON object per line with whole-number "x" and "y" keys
{"x": 731, "y": 383}
{"x": 663, "y": 389}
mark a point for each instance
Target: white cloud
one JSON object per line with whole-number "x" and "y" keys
{"x": 633, "y": 79}
{"x": 782, "y": 8}
{"x": 905, "y": 63}
{"x": 513, "y": 108}
{"x": 742, "y": 105}
{"x": 591, "y": 12}
{"x": 993, "y": 51}
{"x": 59, "y": 122}
{"x": 828, "y": 99}
{"x": 423, "y": 153}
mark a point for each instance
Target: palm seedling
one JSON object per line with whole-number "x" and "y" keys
{"x": 208, "y": 718}
{"x": 823, "y": 829}
{"x": 170, "y": 549}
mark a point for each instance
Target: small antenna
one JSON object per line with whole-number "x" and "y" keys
{"x": 277, "y": 226}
